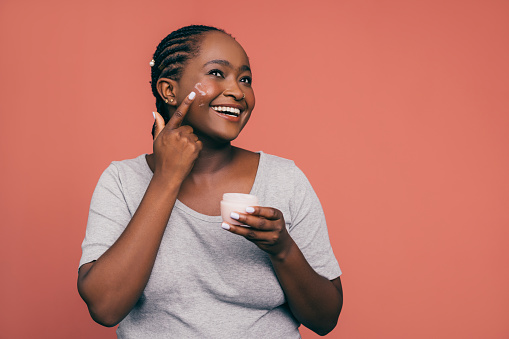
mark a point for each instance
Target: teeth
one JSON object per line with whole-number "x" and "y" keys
{"x": 224, "y": 109}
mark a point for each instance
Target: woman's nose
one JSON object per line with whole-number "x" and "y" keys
{"x": 235, "y": 92}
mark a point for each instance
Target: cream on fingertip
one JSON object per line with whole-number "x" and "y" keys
{"x": 192, "y": 95}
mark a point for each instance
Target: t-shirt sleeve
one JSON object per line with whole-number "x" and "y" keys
{"x": 309, "y": 229}
{"x": 107, "y": 218}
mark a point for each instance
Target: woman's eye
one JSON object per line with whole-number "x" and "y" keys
{"x": 216, "y": 73}
{"x": 247, "y": 80}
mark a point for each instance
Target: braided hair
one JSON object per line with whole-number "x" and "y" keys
{"x": 171, "y": 56}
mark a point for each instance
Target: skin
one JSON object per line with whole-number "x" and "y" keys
{"x": 194, "y": 161}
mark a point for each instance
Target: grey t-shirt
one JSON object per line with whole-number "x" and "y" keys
{"x": 207, "y": 282}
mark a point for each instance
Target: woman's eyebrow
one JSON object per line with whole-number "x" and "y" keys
{"x": 226, "y": 63}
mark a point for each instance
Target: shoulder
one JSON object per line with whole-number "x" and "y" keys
{"x": 127, "y": 180}
{"x": 139, "y": 163}
{"x": 278, "y": 166}
{"x": 280, "y": 173}
{"x": 285, "y": 187}
{"x": 120, "y": 173}
{"x": 277, "y": 161}
{"x": 137, "y": 166}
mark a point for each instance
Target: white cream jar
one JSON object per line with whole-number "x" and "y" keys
{"x": 236, "y": 202}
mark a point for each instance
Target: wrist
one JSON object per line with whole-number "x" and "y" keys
{"x": 285, "y": 252}
{"x": 167, "y": 181}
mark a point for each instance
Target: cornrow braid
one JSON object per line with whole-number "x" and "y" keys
{"x": 171, "y": 56}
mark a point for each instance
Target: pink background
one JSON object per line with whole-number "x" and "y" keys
{"x": 397, "y": 111}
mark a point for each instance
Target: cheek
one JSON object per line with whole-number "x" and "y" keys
{"x": 251, "y": 101}
{"x": 205, "y": 90}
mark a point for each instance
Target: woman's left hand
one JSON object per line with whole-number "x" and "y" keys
{"x": 267, "y": 229}
{"x": 314, "y": 300}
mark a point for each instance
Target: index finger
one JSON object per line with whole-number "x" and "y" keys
{"x": 177, "y": 117}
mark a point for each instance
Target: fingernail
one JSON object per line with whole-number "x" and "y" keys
{"x": 249, "y": 209}
{"x": 225, "y": 226}
{"x": 234, "y": 215}
{"x": 191, "y": 95}
{"x": 154, "y": 114}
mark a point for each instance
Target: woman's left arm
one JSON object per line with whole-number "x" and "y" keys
{"x": 314, "y": 300}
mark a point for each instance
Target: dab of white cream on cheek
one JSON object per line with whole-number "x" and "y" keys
{"x": 200, "y": 88}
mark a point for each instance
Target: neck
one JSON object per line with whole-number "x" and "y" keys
{"x": 213, "y": 158}
{"x": 210, "y": 160}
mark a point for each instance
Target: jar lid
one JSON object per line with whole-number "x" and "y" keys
{"x": 241, "y": 198}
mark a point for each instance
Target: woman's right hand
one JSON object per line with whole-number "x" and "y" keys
{"x": 109, "y": 285}
{"x": 176, "y": 147}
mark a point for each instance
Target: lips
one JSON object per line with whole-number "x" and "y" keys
{"x": 227, "y": 110}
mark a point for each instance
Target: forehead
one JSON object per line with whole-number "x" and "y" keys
{"x": 218, "y": 45}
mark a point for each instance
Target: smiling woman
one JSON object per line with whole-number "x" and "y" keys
{"x": 221, "y": 69}
{"x": 159, "y": 259}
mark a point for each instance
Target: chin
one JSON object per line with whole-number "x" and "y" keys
{"x": 216, "y": 136}
{"x": 219, "y": 134}
{"x": 226, "y": 138}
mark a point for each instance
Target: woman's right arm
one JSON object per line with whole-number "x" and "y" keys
{"x": 113, "y": 283}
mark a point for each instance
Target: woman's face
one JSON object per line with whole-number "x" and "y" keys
{"x": 221, "y": 78}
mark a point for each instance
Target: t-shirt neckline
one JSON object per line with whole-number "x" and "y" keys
{"x": 210, "y": 218}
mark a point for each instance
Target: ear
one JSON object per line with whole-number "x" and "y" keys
{"x": 167, "y": 89}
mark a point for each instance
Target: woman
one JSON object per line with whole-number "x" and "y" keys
{"x": 157, "y": 256}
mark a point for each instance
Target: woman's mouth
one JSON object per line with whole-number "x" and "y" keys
{"x": 231, "y": 111}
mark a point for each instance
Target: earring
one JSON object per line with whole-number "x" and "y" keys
{"x": 166, "y": 100}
